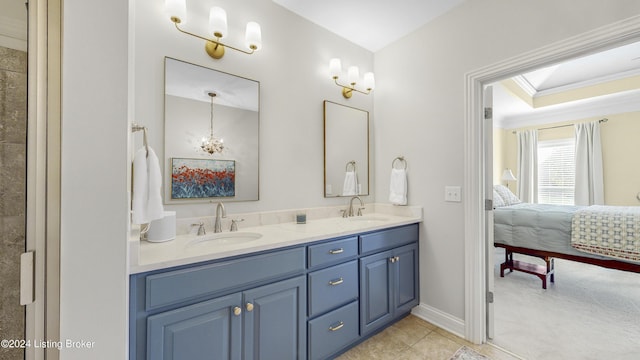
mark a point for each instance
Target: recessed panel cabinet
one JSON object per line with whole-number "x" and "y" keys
{"x": 388, "y": 286}
{"x": 312, "y": 301}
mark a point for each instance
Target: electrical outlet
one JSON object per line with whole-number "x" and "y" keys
{"x": 452, "y": 193}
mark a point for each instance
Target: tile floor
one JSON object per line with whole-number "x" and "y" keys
{"x": 415, "y": 339}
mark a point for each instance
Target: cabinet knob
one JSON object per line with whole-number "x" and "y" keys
{"x": 237, "y": 310}
{"x": 336, "y": 251}
{"x": 249, "y": 307}
{"x": 397, "y": 258}
{"x": 336, "y": 282}
{"x": 392, "y": 259}
{"x": 337, "y": 327}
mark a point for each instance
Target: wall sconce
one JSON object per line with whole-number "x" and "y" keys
{"x": 353, "y": 75}
{"x": 177, "y": 11}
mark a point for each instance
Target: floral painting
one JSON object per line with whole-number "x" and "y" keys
{"x": 202, "y": 178}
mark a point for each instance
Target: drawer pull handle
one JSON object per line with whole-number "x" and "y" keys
{"x": 249, "y": 307}
{"x": 237, "y": 310}
{"x": 336, "y": 282}
{"x": 337, "y": 327}
{"x": 336, "y": 251}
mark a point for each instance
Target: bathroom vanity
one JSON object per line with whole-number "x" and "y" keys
{"x": 308, "y": 300}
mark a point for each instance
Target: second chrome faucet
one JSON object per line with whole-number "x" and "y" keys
{"x": 220, "y": 213}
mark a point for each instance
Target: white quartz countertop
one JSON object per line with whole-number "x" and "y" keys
{"x": 191, "y": 248}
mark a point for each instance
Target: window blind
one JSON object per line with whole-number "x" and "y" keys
{"x": 556, "y": 171}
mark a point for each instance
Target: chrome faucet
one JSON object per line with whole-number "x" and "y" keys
{"x": 220, "y": 213}
{"x": 350, "y": 210}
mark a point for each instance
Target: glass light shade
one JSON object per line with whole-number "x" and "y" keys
{"x": 353, "y": 74}
{"x": 218, "y": 21}
{"x": 335, "y": 68}
{"x": 369, "y": 81}
{"x": 253, "y": 36}
{"x": 177, "y": 9}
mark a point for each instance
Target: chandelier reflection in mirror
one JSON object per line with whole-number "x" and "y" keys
{"x": 212, "y": 144}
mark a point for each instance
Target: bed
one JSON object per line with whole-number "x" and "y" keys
{"x": 606, "y": 236}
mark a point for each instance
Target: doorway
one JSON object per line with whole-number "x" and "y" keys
{"x": 476, "y": 264}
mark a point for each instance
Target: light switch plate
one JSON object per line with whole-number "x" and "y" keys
{"x": 452, "y": 193}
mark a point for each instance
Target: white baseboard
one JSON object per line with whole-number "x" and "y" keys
{"x": 441, "y": 319}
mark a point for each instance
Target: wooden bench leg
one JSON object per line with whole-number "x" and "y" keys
{"x": 543, "y": 273}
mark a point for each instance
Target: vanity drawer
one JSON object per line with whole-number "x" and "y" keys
{"x": 176, "y": 286}
{"x": 386, "y": 239}
{"x": 332, "y": 287}
{"x": 333, "y": 252}
{"x": 332, "y": 332}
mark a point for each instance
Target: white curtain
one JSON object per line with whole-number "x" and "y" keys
{"x": 589, "y": 188}
{"x": 528, "y": 166}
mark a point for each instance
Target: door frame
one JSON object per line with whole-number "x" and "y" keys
{"x": 43, "y": 174}
{"x": 616, "y": 34}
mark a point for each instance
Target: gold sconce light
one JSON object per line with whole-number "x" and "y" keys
{"x": 353, "y": 77}
{"x": 177, "y": 11}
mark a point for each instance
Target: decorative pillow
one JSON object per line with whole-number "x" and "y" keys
{"x": 498, "y": 201}
{"x": 508, "y": 197}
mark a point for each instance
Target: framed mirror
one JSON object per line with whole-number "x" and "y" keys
{"x": 200, "y": 103}
{"x": 346, "y": 150}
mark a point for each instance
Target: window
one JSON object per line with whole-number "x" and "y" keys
{"x": 556, "y": 171}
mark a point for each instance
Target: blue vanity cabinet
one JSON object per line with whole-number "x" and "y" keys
{"x": 388, "y": 278}
{"x": 251, "y": 307}
{"x": 333, "y": 297}
{"x": 311, "y": 301}
{"x": 209, "y": 329}
{"x": 275, "y": 321}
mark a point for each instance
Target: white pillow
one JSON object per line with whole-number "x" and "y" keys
{"x": 508, "y": 197}
{"x": 498, "y": 201}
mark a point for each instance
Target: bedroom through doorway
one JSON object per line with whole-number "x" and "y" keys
{"x": 586, "y": 311}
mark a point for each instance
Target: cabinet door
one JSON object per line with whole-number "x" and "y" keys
{"x": 375, "y": 291}
{"x": 207, "y": 330}
{"x": 275, "y": 321}
{"x": 406, "y": 287}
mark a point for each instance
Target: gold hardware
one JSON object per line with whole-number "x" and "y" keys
{"x": 392, "y": 259}
{"x": 397, "y": 258}
{"x": 336, "y": 282}
{"x": 336, "y": 251}
{"x": 237, "y": 310}
{"x": 249, "y": 306}
{"x": 338, "y": 327}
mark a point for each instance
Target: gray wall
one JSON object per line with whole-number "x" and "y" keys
{"x": 13, "y": 126}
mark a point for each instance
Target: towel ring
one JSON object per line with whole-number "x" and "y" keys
{"x": 401, "y": 159}
{"x": 352, "y": 163}
{"x": 136, "y": 127}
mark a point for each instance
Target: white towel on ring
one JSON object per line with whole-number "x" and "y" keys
{"x": 147, "y": 188}
{"x": 350, "y": 186}
{"x": 398, "y": 187}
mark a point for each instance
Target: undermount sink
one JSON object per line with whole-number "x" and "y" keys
{"x": 225, "y": 238}
{"x": 367, "y": 218}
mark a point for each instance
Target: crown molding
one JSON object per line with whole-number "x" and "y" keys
{"x": 617, "y": 103}
{"x": 590, "y": 82}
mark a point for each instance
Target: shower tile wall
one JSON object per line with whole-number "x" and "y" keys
{"x": 13, "y": 126}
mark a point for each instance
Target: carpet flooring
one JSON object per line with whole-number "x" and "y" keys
{"x": 588, "y": 313}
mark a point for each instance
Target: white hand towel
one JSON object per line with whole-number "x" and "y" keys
{"x": 350, "y": 186}
{"x": 147, "y": 188}
{"x": 398, "y": 187}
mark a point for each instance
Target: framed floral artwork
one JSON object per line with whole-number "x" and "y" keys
{"x": 202, "y": 178}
